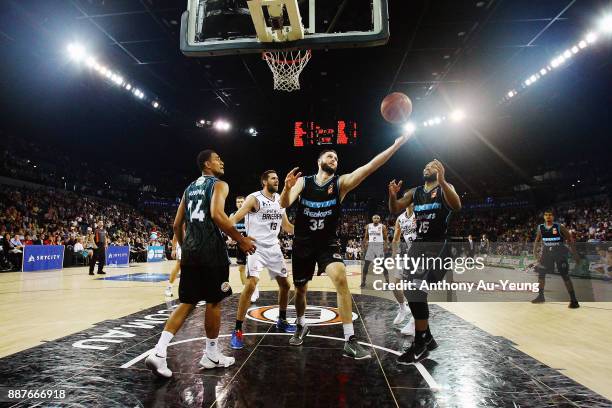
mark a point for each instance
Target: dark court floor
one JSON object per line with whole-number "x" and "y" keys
{"x": 104, "y": 366}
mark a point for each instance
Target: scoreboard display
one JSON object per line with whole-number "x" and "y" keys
{"x": 311, "y": 133}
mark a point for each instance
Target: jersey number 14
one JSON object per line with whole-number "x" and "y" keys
{"x": 197, "y": 213}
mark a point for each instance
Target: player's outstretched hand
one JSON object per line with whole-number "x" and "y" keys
{"x": 440, "y": 171}
{"x": 292, "y": 177}
{"x": 403, "y": 138}
{"x": 394, "y": 187}
{"x": 247, "y": 244}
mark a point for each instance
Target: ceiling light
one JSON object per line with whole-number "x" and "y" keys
{"x": 605, "y": 25}
{"x": 76, "y": 51}
{"x": 458, "y": 115}
{"x": 591, "y": 38}
{"x": 409, "y": 128}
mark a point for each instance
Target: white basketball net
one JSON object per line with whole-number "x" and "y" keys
{"x": 286, "y": 67}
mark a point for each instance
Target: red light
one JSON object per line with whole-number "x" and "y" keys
{"x": 341, "y": 139}
{"x": 298, "y": 135}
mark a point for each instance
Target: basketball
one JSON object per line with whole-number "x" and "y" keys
{"x": 396, "y": 107}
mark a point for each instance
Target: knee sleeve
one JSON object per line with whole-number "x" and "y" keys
{"x": 419, "y": 310}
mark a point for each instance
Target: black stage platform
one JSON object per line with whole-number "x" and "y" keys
{"x": 104, "y": 366}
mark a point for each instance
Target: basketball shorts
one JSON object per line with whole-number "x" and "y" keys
{"x": 431, "y": 269}
{"x": 375, "y": 250}
{"x": 307, "y": 254}
{"x": 202, "y": 282}
{"x": 547, "y": 265}
{"x": 270, "y": 258}
{"x": 398, "y": 273}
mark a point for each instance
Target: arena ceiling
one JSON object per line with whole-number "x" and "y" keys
{"x": 442, "y": 53}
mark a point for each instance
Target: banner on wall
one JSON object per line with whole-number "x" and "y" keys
{"x": 155, "y": 253}
{"x": 42, "y": 257}
{"x": 118, "y": 256}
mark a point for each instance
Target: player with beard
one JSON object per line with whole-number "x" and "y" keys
{"x": 319, "y": 198}
{"x": 199, "y": 221}
{"x": 433, "y": 202}
{"x": 264, "y": 220}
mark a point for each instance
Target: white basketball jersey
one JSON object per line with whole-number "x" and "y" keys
{"x": 407, "y": 226}
{"x": 265, "y": 224}
{"x": 375, "y": 233}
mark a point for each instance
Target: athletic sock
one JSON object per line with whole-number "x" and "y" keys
{"x": 282, "y": 314}
{"x": 211, "y": 349}
{"x": 301, "y": 320}
{"x": 162, "y": 343}
{"x": 238, "y": 324}
{"x": 348, "y": 331}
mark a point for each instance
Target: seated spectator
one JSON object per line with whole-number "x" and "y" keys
{"x": 79, "y": 250}
{"x": 28, "y": 240}
{"x": 16, "y": 243}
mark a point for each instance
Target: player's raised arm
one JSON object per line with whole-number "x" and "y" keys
{"x": 217, "y": 212}
{"x": 294, "y": 184}
{"x": 179, "y": 220}
{"x": 397, "y": 205}
{"x": 450, "y": 195}
{"x": 350, "y": 181}
{"x": 250, "y": 204}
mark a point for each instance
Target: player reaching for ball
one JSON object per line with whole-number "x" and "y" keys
{"x": 319, "y": 198}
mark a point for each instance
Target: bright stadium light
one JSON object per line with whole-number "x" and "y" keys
{"x": 575, "y": 49}
{"x": 202, "y": 121}
{"x": 128, "y": 87}
{"x": 567, "y": 54}
{"x": 582, "y": 44}
{"x": 155, "y": 104}
{"x": 605, "y": 24}
{"x": 76, "y": 51}
{"x": 543, "y": 71}
{"x": 222, "y": 125}
{"x": 91, "y": 62}
{"x": 437, "y": 121}
{"x": 409, "y": 128}
{"x": 591, "y": 37}
{"x": 511, "y": 94}
{"x": 458, "y": 115}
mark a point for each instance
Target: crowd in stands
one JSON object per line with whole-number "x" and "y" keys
{"x": 56, "y": 217}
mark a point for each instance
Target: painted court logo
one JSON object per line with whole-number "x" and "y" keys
{"x": 315, "y": 315}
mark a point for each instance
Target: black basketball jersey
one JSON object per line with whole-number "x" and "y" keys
{"x": 318, "y": 210}
{"x": 203, "y": 243}
{"x": 553, "y": 240}
{"x": 431, "y": 213}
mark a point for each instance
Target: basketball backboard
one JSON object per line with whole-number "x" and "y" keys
{"x": 225, "y": 27}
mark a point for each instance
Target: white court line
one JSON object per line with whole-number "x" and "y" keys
{"x": 433, "y": 385}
